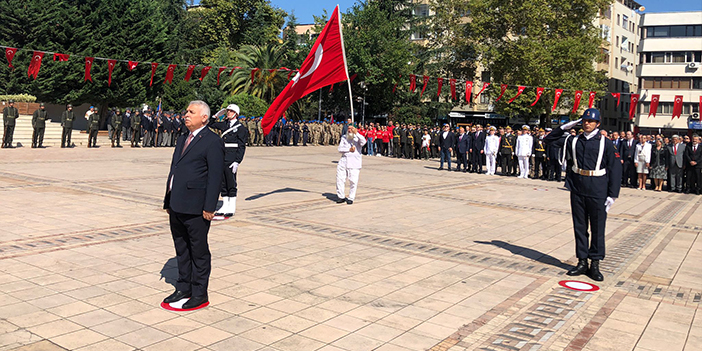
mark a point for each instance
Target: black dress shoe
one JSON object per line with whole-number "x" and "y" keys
{"x": 580, "y": 269}
{"x": 340, "y": 201}
{"x": 349, "y": 202}
{"x": 194, "y": 302}
{"x": 440, "y": 169}
{"x": 177, "y": 296}
{"x": 594, "y": 273}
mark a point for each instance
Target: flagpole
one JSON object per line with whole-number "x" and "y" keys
{"x": 346, "y": 66}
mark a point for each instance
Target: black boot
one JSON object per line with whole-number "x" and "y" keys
{"x": 595, "y": 271}
{"x": 580, "y": 269}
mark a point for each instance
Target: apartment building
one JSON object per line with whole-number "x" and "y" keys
{"x": 670, "y": 54}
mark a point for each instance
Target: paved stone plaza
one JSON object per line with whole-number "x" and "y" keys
{"x": 422, "y": 260}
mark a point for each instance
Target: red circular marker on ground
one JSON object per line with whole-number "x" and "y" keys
{"x": 175, "y": 306}
{"x": 578, "y": 286}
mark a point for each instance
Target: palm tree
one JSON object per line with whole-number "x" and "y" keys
{"x": 266, "y": 84}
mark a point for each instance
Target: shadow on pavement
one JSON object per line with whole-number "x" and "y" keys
{"x": 278, "y": 191}
{"x": 528, "y": 253}
{"x": 169, "y": 272}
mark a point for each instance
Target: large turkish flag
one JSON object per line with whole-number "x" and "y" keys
{"x": 325, "y": 65}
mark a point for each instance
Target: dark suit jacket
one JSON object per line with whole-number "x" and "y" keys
{"x": 448, "y": 142}
{"x": 693, "y": 156}
{"x": 478, "y": 141}
{"x": 197, "y": 174}
{"x": 463, "y": 144}
{"x": 626, "y": 151}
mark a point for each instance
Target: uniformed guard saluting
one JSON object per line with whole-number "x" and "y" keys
{"x": 594, "y": 174}
{"x": 235, "y": 136}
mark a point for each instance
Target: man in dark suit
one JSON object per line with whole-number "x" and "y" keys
{"x": 463, "y": 145}
{"x": 192, "y": 191}
{"x": 477, "y": 149}
{"x": 446, "y": 142}
{"x": 693, "y": 160}
{"x": 627, "y": 151}
{"x": 676, "y": 151}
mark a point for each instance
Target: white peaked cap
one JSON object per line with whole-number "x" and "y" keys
{"x": 233, "y": 107}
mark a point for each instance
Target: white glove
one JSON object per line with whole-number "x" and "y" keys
{"x": 570, "y": 124}
{"x": 608, "y": 203}
{"x": 234, "y": 166}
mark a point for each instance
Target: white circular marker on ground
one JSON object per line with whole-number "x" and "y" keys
{"x": 577, "y": 285}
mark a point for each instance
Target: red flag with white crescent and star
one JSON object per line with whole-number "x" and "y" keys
{"x": 520, "y": 90}
{"x": 559, "y": 92}
{"x": 153, "y": 70}
{"x": 576, "y": 103}
{"x": 35, "y": 65}
{"x": 425, "y": 79}
{"x": 618, "y": 96}
{"x": 110, "y": 66}
{"x": 132, "y": 64}
{"x": 453, "y": 88}
{"x": 503, "y": 88}
{"x": 413, "y": 82}
{"x": 61, "y": 57}
{"x": 677, "y": 106}
{"x": 88, "y": 67}
{"x": 253, "y": 72}
{"x": 169, "y": 74}
{"x": 591, "y": 97}
{"x": 441, "y": 83}
{"x": 654, "y": 105}
{"x": 632, "y": 107}
{"x": 469, "y": 91}
{"x": 485, "y": 85}
{"x": 10, "y": 54}
{"x": 189, "y": 73}
{"x": 325, "y": 64}
{"x": 539, "y": 92}
{"x": 204, "y": 71}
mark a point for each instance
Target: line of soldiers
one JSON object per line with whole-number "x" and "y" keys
{"x": 315, "y": 132}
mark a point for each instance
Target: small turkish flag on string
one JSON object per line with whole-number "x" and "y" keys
{"x": 61, "y": 57}
{"x": 110, "y": 66}
{"x": 654, "y": 105}
{"x": 189, "y": 73}
{"x": 131, "y": 65}
{"x": 10, "y": 54}
{"x": 452, "y": 82}
{"x": 413, "y": 82}
{"x": 169, "y": 74}
{"x": 520, "y": 90}
{"x": 503, "y": 88}
{"x": 233, "y": 69}
{"x": 576, "y": 104}
{"x": 591, "y": 99}
{"x": 220, "y": 72}
{"x": 539, "y": 92}
{"x": 469, "y": 91}
{"x": 425, "y": 79}
{"x": 88, "y": 67}
{"x": 204, "y": 71}
{"x": 291, "y": 73}
{"x": 485, "y": 85}
{"x": 153, "y": 70}
{"x": 559, "y": 92}
{"x": 677, "y": 106}
{"x": 253, "y": 72}
{"x": 618, "y": 96}
{"x": 441, "y": 83}
{"x": 35, "y": 65}
{"x": 634, "y": 103}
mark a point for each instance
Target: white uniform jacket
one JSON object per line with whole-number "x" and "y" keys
{"x": 492, "y": 145}
{"x": 525, "y": 144}
{"x": 351, "y": 160}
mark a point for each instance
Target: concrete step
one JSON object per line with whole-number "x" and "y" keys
{"x": 52, "y": 133}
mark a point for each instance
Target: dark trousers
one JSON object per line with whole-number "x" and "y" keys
{"x": 116, "y": 133}
{"x": 476, "y": 161}
{"x": 7, "y": 135}
{"x": 629, "y": 176}
{"x": 397, "y": 150}
{"x": 507, "y": 164}
{"x": 694, "y": 179}
{"x": 461, "y": 159}
{"x": 588, "y": 211}
{"x": 136, "y": 135}
{"x": 92, "y": 137}
{"x": 38, "y": 136}
{"x": 540, "y": 167}
{"x": 228, "y": 182}
{"x": 445, "y": 155}
{"x": 66, "y": 137}
{"x": 192, "y": 252}
{"x": 554, "y": 170}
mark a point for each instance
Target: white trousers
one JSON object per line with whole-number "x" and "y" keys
{"x": 491, "y": 163}
{"x": 343, "y": 173}
{"x": 523, "y": 166}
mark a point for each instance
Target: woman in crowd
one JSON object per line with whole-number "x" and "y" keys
{"x": 643, "y": 160}
{"x": 426, "y": 144}
{"x": 659, "y": 164}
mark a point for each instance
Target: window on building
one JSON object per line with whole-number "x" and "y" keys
{"x": 625, "y": 21}
{"x": 618, "y": 19}
{"x": 617, "y": 41}
{"x": 674, "y": 31}
{"x": 677, "y": 31}
{"x": 484, "y": 99}
{"x": 645, "y": 107}
{"x": 696, "y": 83}
{"x": 662, "y": 31}
{"x": 616, "y": 62}
{"x": 485, "y": 76}
{"x": 678, "y": 56}
{"x": 421, "y": 10}
{"x": 604, "y": 56}
{"x": 658, "y": 57}
{"x": 625, "y": 43}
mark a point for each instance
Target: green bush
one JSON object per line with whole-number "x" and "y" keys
{"x": 19, "y": 98}
{"x": 249, "y": 105}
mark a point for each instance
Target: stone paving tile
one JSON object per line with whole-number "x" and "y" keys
{"x": 293, "y": 272}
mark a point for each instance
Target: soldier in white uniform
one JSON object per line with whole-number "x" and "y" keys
{"x": 492, "y": 147}
{"x": 349, "y": 166}
{"x": 525, "y": 144}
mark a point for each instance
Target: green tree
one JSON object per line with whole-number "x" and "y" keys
{"x": 249, "y": 105}
{"x": 266, "y": 84}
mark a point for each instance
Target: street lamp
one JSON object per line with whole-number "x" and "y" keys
{"x": 365, "y": 88}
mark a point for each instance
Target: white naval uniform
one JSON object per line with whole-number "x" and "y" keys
{"x": 492, "y": 147}
{"x": 349, "y": 166}
{"x": 524, "y": 147}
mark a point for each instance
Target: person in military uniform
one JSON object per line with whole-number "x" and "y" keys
{"x": 540, "y": 165}
{"x": 93, "y": 126}
{"x": 296, "y": 133}
{"x": 305, "y": 133}
{"x": 67, "y": 118}
{"x": 235, "y": 135}
{"x": 116, "y": 127}
{"x": 9, "y": 115}
{"x": 507, "y": 143}
{"x": 127, "y": 125}
{"x": 148, "y": 126}
{"x": 39, "y": 118}
{"x": 594, "y": 172}
{"x": 396, "y": 141}
{"x": 136, "y": 128}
